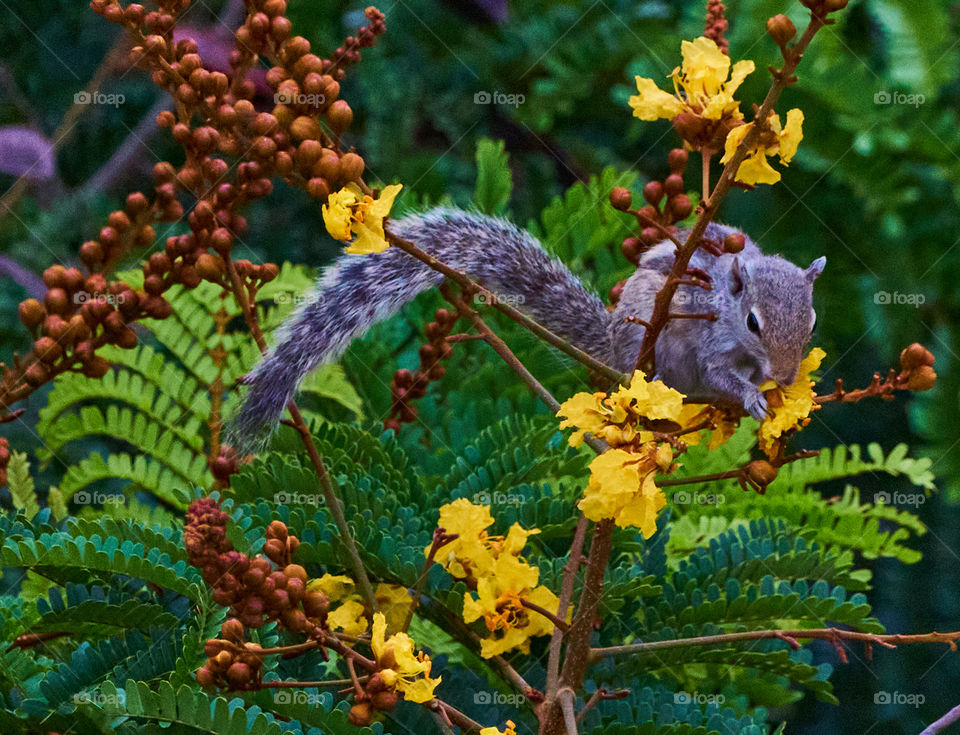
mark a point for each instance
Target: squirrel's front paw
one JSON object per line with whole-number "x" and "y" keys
{"x": 755, "y": 404}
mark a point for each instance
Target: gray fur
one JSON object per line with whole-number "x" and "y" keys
{"x": 721, "y": 359}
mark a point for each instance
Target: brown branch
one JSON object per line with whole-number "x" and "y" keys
{"x": 834, "y": 635}
{"x": 561, "y": 625}
{"x": 570, "y": 570}
{"x": 471, "y": 286}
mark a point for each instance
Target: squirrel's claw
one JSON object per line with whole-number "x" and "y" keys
{"x": 756, "y": 405}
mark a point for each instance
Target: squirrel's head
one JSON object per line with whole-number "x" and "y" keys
{"x": 773, "y": 301}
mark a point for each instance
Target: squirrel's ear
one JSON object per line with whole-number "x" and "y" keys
{"x": 737, "y": 276}
{"x": 816, "y": 268}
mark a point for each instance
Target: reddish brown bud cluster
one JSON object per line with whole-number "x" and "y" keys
{"x": 666, "y": 204}
{"x": 376, "y": 696}
{"x": 716, "y": 24}
{"x": 407, "y": 386}
{"x": 215, "y": 120}
{"x": 4, "y": 459}
{"x": 916, "y": 365}
{"x": 232, "y": 663}
{"x": 255, "y": 590}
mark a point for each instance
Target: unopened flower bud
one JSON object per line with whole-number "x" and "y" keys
{"x": 781, "y": 29}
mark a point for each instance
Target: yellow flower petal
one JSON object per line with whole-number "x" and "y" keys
{"x": 791, "y": 136}
{"x": 652, "y": 103}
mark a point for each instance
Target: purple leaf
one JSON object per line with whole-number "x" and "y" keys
{"x": 26, "y": 152}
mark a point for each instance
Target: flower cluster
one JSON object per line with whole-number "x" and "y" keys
{"x": 791, "y": 405}
{"x": 702, "y": 107}
{"x": 647, "y": 425}
{"x": 505, "y": 593}
{"x": 351, "y": 214}
{"x": 352, "y": 615}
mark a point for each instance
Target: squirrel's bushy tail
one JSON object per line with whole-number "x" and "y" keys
{"x": 356, "y": 292}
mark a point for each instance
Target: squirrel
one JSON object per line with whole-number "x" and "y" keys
{"x": 763, "y": 306}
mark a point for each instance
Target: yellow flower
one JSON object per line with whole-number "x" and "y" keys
{"x": 797, "y": 404}
{"x": 352, "y": 615}
{"x": 349, "y": 214}
{"x": 499, "y": 601}
{"x": 469, "y": 549}
{"x": 511, "y": 730}
{"x": 395, "y": 602}
{"x": 400, "y": 667}
{"x": 701, "y": 86}
{"x": 622, "y": 487}
{"x": 777, "y": 141}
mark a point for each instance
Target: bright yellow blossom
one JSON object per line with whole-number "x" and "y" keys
{"x": 511, "y": 729}
{"x": 499, "y": 601}
{"x": 351, "y": 614}
{"x": 401, "y": 668}
{"x": 797, "y": 404}
{"x": 622, "y": 487}
{"x": 701, "y": 87}
{"x": 349, "y": 214}
{"x": 779, "y": 141}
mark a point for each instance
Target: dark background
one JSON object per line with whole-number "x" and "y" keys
{"x": 873, "y": 187}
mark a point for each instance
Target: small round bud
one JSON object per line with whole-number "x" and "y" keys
{"x": 681, "y": 206}
{"x": 351, "y": 166}
{"x": 914, "y": 356}
{"x": 653, "y": 192}
{"x": 621, "y": 198}
{"x": 734, "y": 243}
{"x": 781, "y": 29}
{"x": 340, "y": 115}
{"x": 31, "y": 313}
{"x": 761, "y": 472}
{"x": 922, "y": 378}
{"x": 677, "y": 160}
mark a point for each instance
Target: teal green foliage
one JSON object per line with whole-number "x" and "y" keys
{"x": 871, "y": 186}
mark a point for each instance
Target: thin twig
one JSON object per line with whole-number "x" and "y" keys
{"x": 472, "y": 286}
{"x": 794, "y": 636}
{"x": 326, "y": 484}
{"x": 948, "y": 719}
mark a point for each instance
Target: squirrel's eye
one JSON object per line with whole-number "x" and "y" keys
{"x": 752, "y": 323}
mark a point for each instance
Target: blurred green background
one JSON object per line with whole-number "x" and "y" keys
{"x": 873, "y": 187}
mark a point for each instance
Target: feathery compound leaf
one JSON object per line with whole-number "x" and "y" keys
{"x": 494, "y": 180}
{"x": 20, "y": 483}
